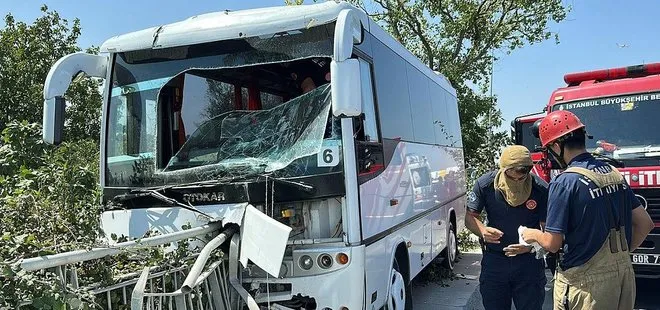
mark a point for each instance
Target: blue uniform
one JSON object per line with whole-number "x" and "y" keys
{"x": 580, "y": 212}
{"x": 522, "y": 277}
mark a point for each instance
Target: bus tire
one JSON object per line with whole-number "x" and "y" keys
{"x": 399, "y": 296}
{"x": 451, "y": 252}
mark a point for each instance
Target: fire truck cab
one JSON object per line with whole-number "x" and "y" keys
{"x": 620, "y": 107}
{"x": 521, "y": 133}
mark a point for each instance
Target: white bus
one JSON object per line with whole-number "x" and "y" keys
{"x": 330, "y": 155}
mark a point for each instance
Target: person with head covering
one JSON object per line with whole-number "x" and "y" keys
{"x": 594, "y": 217}
{"x": 512, "y": 197}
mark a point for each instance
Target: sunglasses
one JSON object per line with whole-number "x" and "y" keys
{"x": 521, "y": 171}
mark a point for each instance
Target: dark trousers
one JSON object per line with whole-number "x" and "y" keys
{"x": 520, "y": 278}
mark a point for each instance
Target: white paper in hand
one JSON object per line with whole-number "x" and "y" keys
{"x": 540, "y": 251}
{"x": 263, "y": 241}
{"x": 520, "y": 238}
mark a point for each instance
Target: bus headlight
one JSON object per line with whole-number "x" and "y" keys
{"x": 325, "y": 261}
{"x": 306, "y": 262}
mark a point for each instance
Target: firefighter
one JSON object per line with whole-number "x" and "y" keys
{"x": 512, "y": 197}
{"x": 594, "y": 213}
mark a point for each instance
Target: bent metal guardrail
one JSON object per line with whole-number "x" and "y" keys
{"x": 199, "y": 289}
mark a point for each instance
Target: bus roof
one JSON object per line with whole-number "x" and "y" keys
{"x": 592, "y": 89}
{"x": 226, "y": 25}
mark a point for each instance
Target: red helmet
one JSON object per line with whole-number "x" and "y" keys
{"x": 556, "y": 125}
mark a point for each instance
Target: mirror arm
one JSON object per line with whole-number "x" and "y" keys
{"x": 57, "y": 82}
{"x": 66, "y": 68}
{"x": 348, "y": 31}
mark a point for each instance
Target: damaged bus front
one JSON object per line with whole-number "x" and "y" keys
{"x": 247, "y": 128}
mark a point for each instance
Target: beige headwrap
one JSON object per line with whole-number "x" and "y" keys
{"x": 515, "y": 192}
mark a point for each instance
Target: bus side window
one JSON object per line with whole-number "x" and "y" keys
{"x": 369, "y": 126}
{"x": 369, "y": 147}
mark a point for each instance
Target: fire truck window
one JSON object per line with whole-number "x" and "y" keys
{"x": 528, "y": 139}
{"x": 637, "y": 113}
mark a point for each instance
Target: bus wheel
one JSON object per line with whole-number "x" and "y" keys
{"x": 451, "y": 252}
{"x": 398, "y": 297}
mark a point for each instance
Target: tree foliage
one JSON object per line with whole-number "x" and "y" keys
{"x": 27, "y": 51}
{"x": 48, "y": 203}
{"x": 48, "y": 196}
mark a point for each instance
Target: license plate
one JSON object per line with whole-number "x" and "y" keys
{"x": 645, "y": 259}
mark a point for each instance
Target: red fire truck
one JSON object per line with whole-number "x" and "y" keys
{"x": 621, "y": 109}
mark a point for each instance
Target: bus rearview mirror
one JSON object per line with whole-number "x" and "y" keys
{"x": 53, "y": 120}
{"x": 346, "y": 88}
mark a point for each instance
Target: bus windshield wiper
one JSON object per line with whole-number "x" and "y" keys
{"x": 154, "y": 193}
{"x": 300, "y": 185}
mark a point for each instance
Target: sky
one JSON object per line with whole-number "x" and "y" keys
{"x": 522, "y": 81}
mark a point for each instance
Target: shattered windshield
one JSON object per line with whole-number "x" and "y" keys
{"x": 223, "y": 111}
{"x": 267, "y": 140}
{"x": 623, "y": 126}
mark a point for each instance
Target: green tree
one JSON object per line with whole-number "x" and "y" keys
{"x": 27, "y": 51}
{"x": 48, "y": 196}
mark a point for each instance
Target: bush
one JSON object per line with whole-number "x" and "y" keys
{"x": 467, "y": 241}
{"x": 48, "y": 204}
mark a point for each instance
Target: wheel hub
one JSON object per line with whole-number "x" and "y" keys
{"x": 397, "y": 293}
{"x": 452, "y": 246}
